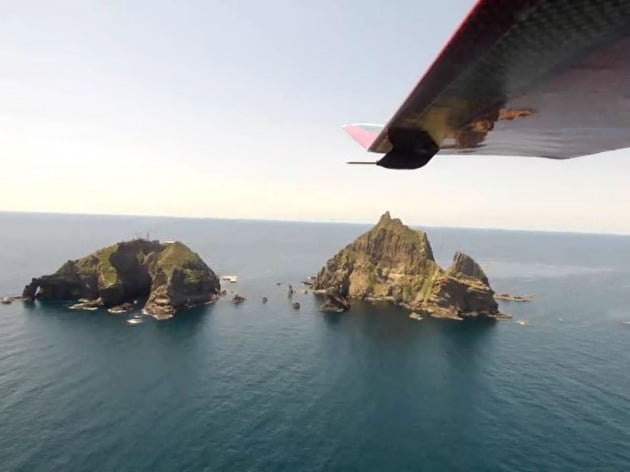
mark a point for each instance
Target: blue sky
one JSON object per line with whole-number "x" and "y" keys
{"x": 233, "y": 109}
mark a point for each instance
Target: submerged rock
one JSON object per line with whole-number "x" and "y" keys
{"x": 393, "y": 262}
{"x": 10, "y": 299}
{"x": 514, "y": 298}
{"x": 87, "y": 304}
{"x": 170, "y": 275}
{"x": 296, "y": 305}
{"x": 120, "y": 309}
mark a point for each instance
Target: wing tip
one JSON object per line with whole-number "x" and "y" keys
{"x": 363, "y": 133}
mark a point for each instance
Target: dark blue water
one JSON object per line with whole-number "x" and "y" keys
{"x": 262, "y": 387}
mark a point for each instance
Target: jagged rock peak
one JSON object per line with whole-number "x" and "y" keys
{"x": 392, "y": 231}
{"x": 385, "y": 219}
{"x": 466, "y": 265}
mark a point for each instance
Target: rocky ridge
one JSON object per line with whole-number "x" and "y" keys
{"x": 170, "y": 275}
{"x": 393, "y": 262}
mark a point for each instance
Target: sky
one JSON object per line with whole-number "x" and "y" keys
{"x": 233, "y": 109}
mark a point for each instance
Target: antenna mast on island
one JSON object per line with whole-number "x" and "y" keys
{"x": 139, "y": 235}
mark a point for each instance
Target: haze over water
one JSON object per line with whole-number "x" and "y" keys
{"x": 264, "y": 387}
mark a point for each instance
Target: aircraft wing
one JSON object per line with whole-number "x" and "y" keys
{"x": 544, "y": 78}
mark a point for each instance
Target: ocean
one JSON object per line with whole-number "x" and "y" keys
{"x": 262, "y": 387}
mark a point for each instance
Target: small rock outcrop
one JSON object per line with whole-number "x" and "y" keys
{"x": 335, "y": 301}
{"x": 170, "y": 276}
{"x": 120, "y": 309}
{"x": 514, "y": 298}
{"x": 393, "y": 262}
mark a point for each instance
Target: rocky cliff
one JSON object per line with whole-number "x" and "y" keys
{"x": 169, "y": 275}
{"x": 395, "y": 263}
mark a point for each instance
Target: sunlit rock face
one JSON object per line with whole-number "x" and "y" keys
{"x": 170, "y": 275}
{"x": 393, "y": 262}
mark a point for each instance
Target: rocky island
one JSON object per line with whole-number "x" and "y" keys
{"x": 170, "y": 276}
{"x": 395, "y": 263}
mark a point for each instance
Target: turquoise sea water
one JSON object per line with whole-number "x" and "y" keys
{"x": 263, "y": 387}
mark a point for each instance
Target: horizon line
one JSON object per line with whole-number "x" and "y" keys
{"x": 279, "y": 220}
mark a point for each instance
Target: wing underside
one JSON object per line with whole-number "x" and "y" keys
{"x": 545, "y": 78}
